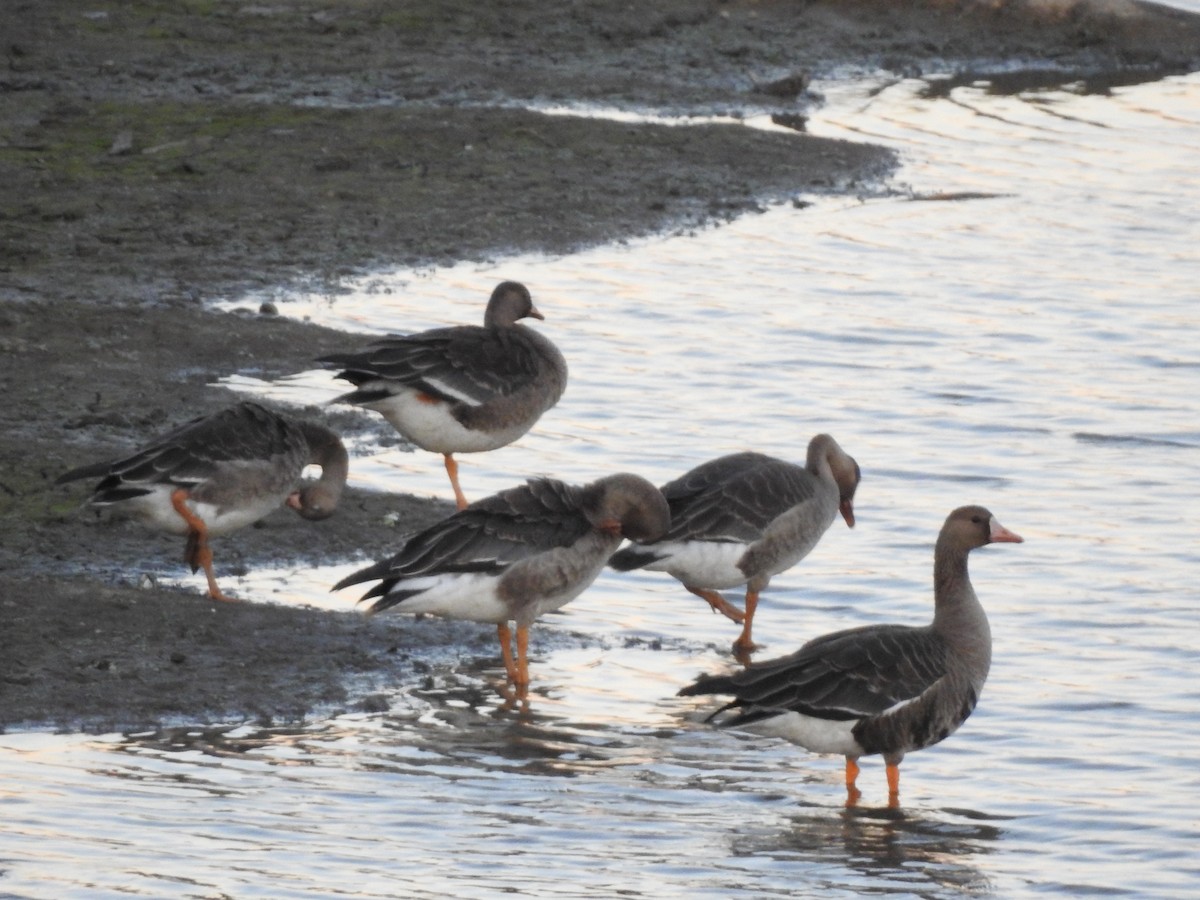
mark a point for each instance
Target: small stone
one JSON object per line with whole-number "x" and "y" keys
{"x": 122, "y": 144}
{"x": 788, "y": 86}
{"x": 375, "y": 703}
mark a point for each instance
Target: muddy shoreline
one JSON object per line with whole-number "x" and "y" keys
{"x": 158, "y": 156}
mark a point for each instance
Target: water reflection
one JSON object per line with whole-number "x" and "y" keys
{"x": 465, "y": 719}
{"x": 453, "y": 721}
{"x": 895, "y": 851}
{"x": 1036, "y": 351}
{"x": 1021, "y": 81}
{"x": 456, "y": 732}
{"x": 218, "y": 743}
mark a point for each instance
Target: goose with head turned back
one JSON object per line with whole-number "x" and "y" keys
{"x": 460, "y": 389}
{"x": 887, "y": 689}
{"x": 516, "y": 555}
{"x": 218, "y": 473}
{"x": 742, "y": 518}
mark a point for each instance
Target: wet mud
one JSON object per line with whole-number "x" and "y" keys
{"x": 156, "y": 156}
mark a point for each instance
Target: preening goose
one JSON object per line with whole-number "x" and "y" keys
{"x": 516, "y": 555}
{"x": 218, "y": 473}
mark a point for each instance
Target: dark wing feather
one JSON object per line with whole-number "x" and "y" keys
{"x": 632, "y": 557}
{"x": 735, "y": 497}
{"x": 845, "y": 675}
{"x": 91, "y": 470}
{"x": 193, "y": 452}
{"x": 472, "y": 361}
{"x": 487, "y": 536}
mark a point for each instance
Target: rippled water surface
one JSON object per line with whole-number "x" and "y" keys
{"x": 1019, "y": 330}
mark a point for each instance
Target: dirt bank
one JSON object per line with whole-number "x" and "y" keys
{"x": 157, "y": 155}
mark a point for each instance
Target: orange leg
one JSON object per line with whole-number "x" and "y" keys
{"x": 452, "y": 470}
{"x": 719, "y": 604}
{"x": 197, "y": 553}
{"x": 522, "y": 658}
{"x": 852, "y": 791}
{"x": 518, "y": 669}
{"x": 505, "y": 635}
{"x": 893, "y": 780}
{"x": 744, "y": 644}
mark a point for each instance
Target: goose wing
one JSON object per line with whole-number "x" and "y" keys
{"x": 735, "y": 497}
{"x": 849, "y": 674}
{"x": 196, "y": 451}
{"x": 488, "y": 536}
{"x": 464, "y": 364}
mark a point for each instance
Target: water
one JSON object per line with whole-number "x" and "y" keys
{"x": 1035, "y": 351}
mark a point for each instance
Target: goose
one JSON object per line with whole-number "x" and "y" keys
{"x": 221, "y": 472}
{"x": 742, "y": 518}
{"x": 515, "y": 555}
{"x": 464, "y": 388}
{"x": 879, "y": 689}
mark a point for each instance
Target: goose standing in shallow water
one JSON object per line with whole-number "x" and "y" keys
{"x": 887, "y": 689}
{"x": 462, "y": 389}
{"x": 218, "y": 473}
{"x": 743, "y": 518}
{"x": 516, "y": 555}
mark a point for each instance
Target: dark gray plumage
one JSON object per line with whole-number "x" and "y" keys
{"x": 742, "y": 518}
{"x": 221, "y": 472}
{"x": 516, "y": 555}
{"x": 461, "y": 389}
{"x": 886, "y": 689}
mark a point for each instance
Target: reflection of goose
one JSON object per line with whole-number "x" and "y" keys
{"x": 516, "y": 555}
{"x": 742, "y": 518}
{"x": 916, "y": 855}
{"x": 886, "y": 689}
{"x": 218, "y": 473}
{"x": 476, "y": 731}
{"x": 462, "y": 389}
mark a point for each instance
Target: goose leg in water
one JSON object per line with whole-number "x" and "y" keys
{"x": 893, "y": 780}
{"x": 852, "y": 791}
{"x": 744, "y": 646}
{"x": 517, "y": 669}
{"x": 522, "y": 658}
{"x": 505, "y": 635}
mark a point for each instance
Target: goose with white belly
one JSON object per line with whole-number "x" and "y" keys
{"x": 880, "y": 689}
{"x": 464, "y": 388}
{"x": 516, "y": 555}
{"x": 742, "y": 518}
{"x": 221, "y": 472}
